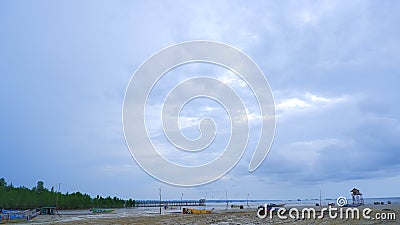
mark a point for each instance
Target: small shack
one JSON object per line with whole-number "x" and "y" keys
{"x": 50, "y": 210}
{"x": 357, "y": 197}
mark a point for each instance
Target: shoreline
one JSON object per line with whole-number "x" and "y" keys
{"x": 229, "y": 216}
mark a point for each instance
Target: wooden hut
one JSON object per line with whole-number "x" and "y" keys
{"x": 47, "y": 210}
{"x": 357, "y": 197}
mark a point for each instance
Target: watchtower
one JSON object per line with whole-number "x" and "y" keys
{"x": 357, "y": 197}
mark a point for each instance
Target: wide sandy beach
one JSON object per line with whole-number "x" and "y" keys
{"x": 246, "y": 216}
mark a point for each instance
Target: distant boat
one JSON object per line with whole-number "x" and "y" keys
{"x": 237, "y": 206}
{"x": 97, "y": 210}
{"x": 166, "y": 207}
{"x": 152, "y": 212}
{"x": 275, "y": 205}
{"x": 352, "y": 205}
{"x": 172, "y": 209}
{"x": 196, "y": 211}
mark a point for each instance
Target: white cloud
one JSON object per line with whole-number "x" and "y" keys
{"x": 232, "y": 80}
{"x": 291, "y": 103}
{"x": 306, "y": 103}
{"x": 185, "y": 121}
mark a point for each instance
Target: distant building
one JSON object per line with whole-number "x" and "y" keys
{"x": 47, "y": 210}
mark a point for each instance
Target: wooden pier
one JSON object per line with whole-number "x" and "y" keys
{"x": 157, "y": 203}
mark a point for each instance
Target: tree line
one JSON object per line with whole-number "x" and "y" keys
{"x": 24, "y": 198}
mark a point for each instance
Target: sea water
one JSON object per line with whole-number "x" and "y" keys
{"x": 221, "y": 205}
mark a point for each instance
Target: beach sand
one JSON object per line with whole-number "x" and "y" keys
{"x": 223, "y": 217}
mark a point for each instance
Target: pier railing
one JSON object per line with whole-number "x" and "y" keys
{"x": 157, "y": 203}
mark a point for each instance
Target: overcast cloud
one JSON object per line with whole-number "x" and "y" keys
{"x": 332, "y": 67}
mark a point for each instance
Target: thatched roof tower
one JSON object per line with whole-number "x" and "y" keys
{"x": 357, "y": 197}
{"x": 355, "y": 191}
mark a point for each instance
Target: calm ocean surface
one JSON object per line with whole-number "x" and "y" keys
{"x": 289, "y": 203}
{"x": 219, "y": 205}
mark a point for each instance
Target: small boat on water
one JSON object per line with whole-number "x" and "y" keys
{"x": 172, "y": 209}
{"x": 352, "y": 205}
{"x": 97, "y": 210}
{"x": 275, "y": 205}
{"x": 196, "y": 211}
{"x": 152, "y": 212}
{"x": 237, "y": 206}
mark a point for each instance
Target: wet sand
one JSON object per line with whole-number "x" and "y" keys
{"x": 223, "y": 217}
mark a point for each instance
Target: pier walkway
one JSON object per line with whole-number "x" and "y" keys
{"x": 157, "y": 203}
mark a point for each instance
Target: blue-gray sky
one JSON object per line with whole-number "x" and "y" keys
{"x": 333, "y": 67}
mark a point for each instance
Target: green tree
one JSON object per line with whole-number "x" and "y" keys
{"x": 3, "y": 182}
{"x": 40, "y": 187}
{"x": 39, "y": 196}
